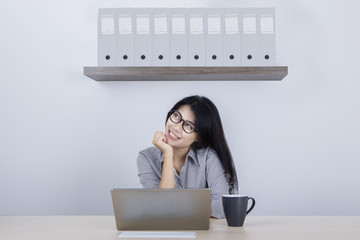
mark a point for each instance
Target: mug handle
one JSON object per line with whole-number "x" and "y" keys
{"x": 252, "y": 205}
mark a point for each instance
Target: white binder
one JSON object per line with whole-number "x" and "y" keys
{"x": 125, "y": 41}
{"x": 142, "y": 37}
{"x": 106, "y": 37}
{"x": 266, "y": 47}
{"x": 231, "y": 37}
{"x": 178, "y": 37}
{"x": 214, "y": 38}
{"x": 249, "y": 37}
{"x": 196, "y": 36}
{"x": 160, "y": 37}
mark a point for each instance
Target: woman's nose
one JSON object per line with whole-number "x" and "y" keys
{"x": 178, "y": 126}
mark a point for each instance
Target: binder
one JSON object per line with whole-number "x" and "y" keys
{"x": 231, "y": 37}
{"x": 125, "y": 41}
{"x": 196, "y": 36}
{"x": 178, "y": 37}
{"x": 266, "y": 47}
{"x": 142, "y": 37}
{"x": 160, "y": 37}
{"x": 249, "y": 37}
{"x": 214, "y": 38}
{"x": 106, "y": 37}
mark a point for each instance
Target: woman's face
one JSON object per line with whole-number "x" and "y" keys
{"x": 174, "y": 132}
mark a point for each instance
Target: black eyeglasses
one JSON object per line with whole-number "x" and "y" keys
{"x": 187, "y": 126}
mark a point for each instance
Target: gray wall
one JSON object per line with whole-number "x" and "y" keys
{"x": 65, "y": 139}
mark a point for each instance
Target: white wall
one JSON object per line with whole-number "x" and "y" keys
{"x": 65, "y": 139}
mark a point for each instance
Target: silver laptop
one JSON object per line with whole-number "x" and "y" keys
{"x": 162, "y": 209}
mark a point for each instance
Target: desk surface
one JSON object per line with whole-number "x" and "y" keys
{"x": 255, "y": 227}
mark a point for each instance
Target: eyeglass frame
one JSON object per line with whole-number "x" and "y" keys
{"x": 182, "y": 120}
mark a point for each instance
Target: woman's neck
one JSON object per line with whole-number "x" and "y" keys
{"x": 180, "y": 154}
{"x": 179, "y": 158}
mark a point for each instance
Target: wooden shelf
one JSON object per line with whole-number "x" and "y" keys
{"x": 272, "y": 73}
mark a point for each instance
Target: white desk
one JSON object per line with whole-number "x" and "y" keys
{"x": 103, "y": 228}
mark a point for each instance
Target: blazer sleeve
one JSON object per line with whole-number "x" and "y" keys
{"x": 146, "y": 172}
{"x": 216, "y": 180}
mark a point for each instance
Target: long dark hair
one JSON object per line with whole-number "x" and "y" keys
{"x": 211, "y": 133}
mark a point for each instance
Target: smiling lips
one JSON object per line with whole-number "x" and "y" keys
{"x": 172, "y": 136}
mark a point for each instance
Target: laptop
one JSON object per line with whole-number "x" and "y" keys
{"x": 161, "y": 209}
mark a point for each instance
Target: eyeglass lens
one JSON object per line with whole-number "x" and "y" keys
{"x": 187, "y": 126}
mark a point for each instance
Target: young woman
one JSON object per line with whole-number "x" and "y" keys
{"x": 191, "y": 153}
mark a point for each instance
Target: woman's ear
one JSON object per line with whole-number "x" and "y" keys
{"x": 197, "y": 139}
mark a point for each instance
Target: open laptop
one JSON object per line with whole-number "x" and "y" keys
{"x": 162, "y": 209}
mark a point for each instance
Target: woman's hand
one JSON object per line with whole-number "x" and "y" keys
{"x": 160, "y": 142}
{"x": 167, "y": 177}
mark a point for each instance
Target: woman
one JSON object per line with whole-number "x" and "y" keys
{"x": 191, "y": 153}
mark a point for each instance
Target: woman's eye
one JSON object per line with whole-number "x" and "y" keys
{"x": 189, "y": 126}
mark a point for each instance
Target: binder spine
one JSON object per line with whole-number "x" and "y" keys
{"x": 178, "y": 37}
{"x": 143, "y": 38}
{"x": 266, "y": 47}
{"x": 160, "y": 37}
{"x": 214, "y": 37}
{"x": 125, "y": 41}
{"x": 107, "y": 27}
{"x": 196, "y": 37}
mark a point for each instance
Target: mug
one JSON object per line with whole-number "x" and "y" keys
{"x": 236, "y": 209}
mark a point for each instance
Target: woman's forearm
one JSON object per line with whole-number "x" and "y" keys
{"x": 167, "y": 176}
